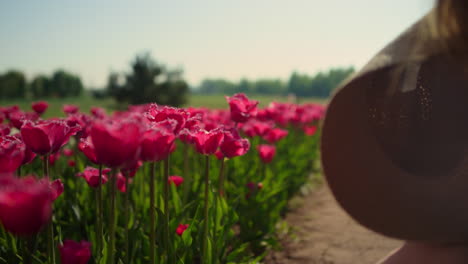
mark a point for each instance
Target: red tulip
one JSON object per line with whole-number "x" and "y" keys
{"x": 158, "y": 114}
{"x": 39, "y": 107}
{"x": 310, "y": 130}
{"x": 121, "y": 180}
{"x": 219, "y": 155}
{"x": 91, "y": 175}
{"x": 25, "y": 205}
{"x": 116, "y": 143}
{"x": 67, "y": 152}
{"x": 71, "y": 163}
{"x": 4, "y": 130}
{"x": 28, "y": 154}
{"x": 262, "y": 128}
{"x": 56, "y": 189}
{"x": 81, "y": 121}
{"x": 241, "y": 107}
{"x": 86, "y": 146}
{"x": 12, "y": 152}
{"x": 275, "y": 135}
{"x": 98, "y": 112}
{"x": 70, "y": 109}
{"x": 8, "y": 110}
{"x": 18, "y": 118}
{"x": 131, "y": 170}
{"x": 53, "y": 158}
{"x": 158, "y": 142}
{"x": 177, "y": 180}
{"x": 46, "y": 137}
{"x": 233, "y": 145}
{"x": 181, "y": 229}
{"x": 266, "y": 152}
{"x": 72, "y": 252}
{"x": 207, "y": 142}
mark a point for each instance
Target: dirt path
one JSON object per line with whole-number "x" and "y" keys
{"x": 327, "y": 235}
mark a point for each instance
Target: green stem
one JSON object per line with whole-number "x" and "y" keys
{"x": 127, "y": 191}
{"x": 205, "y": 223}
{"x": 187, "y": 175}
{"x": 50, "y": 226}
{"x": 99, "y": 217}
{"x": 221, "y": 179}
{"x": 171, "y": 256}
{"x": 152, "y": 215}
{"x": 111, "y": 246}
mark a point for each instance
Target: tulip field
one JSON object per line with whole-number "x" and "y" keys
{"x": 152, "y": 184}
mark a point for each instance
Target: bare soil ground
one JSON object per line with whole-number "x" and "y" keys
{"x": 325, "y": 234}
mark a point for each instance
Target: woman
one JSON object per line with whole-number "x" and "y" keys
{"x": 395, "y": 140}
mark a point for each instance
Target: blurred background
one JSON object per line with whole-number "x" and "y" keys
{"x": 189, "y": 53}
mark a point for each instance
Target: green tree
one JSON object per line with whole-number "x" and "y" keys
{"x": 40, "y": 86}
{"x": 63, "y": 84}
{"x": 12, "y": 85}
{"x": 148, "y": 82}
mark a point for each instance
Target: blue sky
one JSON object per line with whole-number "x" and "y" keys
{"x": 207, "y": 38}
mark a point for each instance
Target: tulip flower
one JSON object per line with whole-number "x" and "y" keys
{"x": 98, "y": 112}
{"x": 18, "y": 118}
{"x": 177, "y": 180}
{"x": 158, "y": 114}
{"x": 46, "y": 137}
{"x": 81, "y": 121}
{"x": 122, "y": 182}
{"x": 53, "y": 158}
{"x": 72, "y": 252}
{"x": 241, "y": 107}
{"x": 116, "y": 143}
{"x": 266, "y": 153}
{"x": 4, "y": 130}
{"x": 56, "y": 189}
{"x": 207, "y": 142}
{"x": 70, "y": 109}
{"x": 310, "y": 130}
{"x": 132, "y": 169}
{"x": 28, "y": 154}
{"x": 25, "y": 205}
{"x": 39, "y": 107}
{"x": 219, "y": 155}
{"x": 67, "y": 152}
{"x": 157, "y": 143}
{"x": 275, "y": 135}
{"x": 12, "y": 152}
{"x": 181, "y": 229}
{"x": 233, "y": 145}
{"x": 86, "y": 146}
{"x": 91, "y": 175}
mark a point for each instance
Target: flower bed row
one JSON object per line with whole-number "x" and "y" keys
{"x": 153, "y": 184}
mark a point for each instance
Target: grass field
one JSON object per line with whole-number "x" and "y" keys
{"x": 86, "y": 102}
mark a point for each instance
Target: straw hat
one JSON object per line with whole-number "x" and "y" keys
{"x": 395, "y": 142}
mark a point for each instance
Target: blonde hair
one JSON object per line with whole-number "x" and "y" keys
{"x": 451, "y": 26}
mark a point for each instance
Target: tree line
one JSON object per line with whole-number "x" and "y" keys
{"x": 148, "y": 81}
{"x": 319, "y": 85}
{"x": 14, "y": 85}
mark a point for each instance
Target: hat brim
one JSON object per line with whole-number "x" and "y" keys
{"x": 366, "y": 182}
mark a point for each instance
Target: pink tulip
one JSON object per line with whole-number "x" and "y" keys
{"x": 72, "y": 252}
